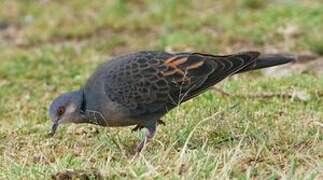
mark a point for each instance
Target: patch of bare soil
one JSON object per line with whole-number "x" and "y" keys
{"x": 77, "y": 174}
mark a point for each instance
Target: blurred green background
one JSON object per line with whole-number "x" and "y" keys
{"x": 51, "y": 46}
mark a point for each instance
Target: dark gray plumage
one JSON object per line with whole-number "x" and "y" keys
{"x": 139, "y": 88}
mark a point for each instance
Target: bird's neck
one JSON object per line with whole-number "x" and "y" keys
{"x": 80, "y": 114}
{"x": 85, "y": 115}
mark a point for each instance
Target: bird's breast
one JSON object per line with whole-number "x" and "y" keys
{"x": 111, "y": 118}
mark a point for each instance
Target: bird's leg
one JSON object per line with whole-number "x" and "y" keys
{"x": 137, "y": 128}
{"x": 151, "y": 127}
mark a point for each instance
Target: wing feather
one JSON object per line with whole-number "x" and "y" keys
{"x": 155, "y": 82}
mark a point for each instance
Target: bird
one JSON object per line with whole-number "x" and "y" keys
{"x": 139, "y": 88}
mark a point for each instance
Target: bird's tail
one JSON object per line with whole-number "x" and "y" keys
{"x": 269, "y": 60}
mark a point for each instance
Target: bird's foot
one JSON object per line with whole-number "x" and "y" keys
{"x": 161, "y": 122}
{"x": 137, "y": 128}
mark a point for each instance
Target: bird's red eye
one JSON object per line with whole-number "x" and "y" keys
{"x": 60, "y": 110}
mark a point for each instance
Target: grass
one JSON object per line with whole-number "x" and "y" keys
{"x": 49, "y": 47}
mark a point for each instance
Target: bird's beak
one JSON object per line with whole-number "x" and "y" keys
{"x": 54, "y": 127}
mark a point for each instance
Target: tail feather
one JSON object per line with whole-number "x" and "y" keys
{"x": 269, "y": 60}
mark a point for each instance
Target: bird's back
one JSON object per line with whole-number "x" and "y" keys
{"x": 146, "y": 83}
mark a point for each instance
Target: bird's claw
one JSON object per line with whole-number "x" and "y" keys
{"x": 161, "y": 122}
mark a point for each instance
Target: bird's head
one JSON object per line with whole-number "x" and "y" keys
{"x": 67, "y": 108}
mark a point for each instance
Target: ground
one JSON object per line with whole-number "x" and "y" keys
{"x": 262, "y": 127}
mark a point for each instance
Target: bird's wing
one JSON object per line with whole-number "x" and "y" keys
{"x": 152, "y": 82}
